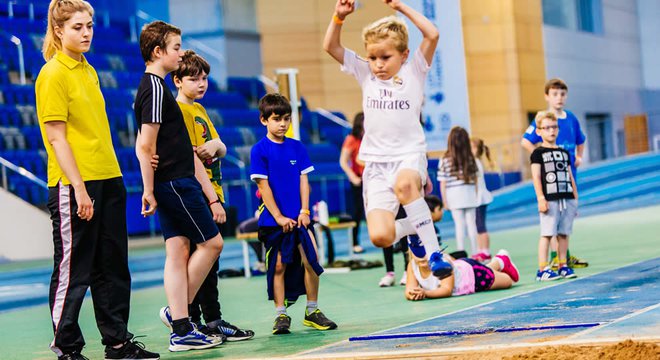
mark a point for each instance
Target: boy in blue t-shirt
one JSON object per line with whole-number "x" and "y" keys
{"x": 570, "y": 138}
{"x": 279, "y": 166}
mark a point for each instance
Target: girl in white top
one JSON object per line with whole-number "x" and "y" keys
{"x": 469, "y": 276}
{"x": 458, "y": 174}
{"x": 393, "y": 146}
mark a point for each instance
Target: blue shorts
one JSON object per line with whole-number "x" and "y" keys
{"x": 182, "y": 210}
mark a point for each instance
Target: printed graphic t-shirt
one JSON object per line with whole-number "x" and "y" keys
{"x": 555, "y": 177}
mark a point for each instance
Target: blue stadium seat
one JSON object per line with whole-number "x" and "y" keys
{"x": 239, "y": 117}
{"x": 33, "y": 137}
{"x": 19, "y": 94}
{"x": 251, "y": 88}
{"x": 9, "y": 115}
{"x": 224, "y": 100}
{"x": 323, "y": 152}
{"x": 334, "y": 133}
{"x": 328, "y": 168}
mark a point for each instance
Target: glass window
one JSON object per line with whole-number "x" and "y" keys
{"x": 582, "y": 15}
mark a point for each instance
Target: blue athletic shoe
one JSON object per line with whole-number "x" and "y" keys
{"x": 567, "y": 273}
{"x": 440, "y": 268}
{"x": 416, "y": 247}
{"x": 547, "y": 275}
{"x": 166, "y": 317}
{"x": 193, "y": 340}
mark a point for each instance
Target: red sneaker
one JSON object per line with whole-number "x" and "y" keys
{"x": 509, "y": 267}
{"x": 481, "y": 257}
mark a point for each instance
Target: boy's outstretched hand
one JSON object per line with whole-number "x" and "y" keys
{"x": 343, "y": 8}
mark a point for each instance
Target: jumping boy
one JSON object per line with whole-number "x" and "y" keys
{"x": 279, "y": 166}
{"x": 393, "y": 146}
{"x": 191, "y": 81}
{"x": 570, "y": 138}
{"x": 556, "y": 195}
{"x": 175, "y": 187}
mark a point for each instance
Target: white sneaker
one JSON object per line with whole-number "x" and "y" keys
{"x": 387, "y": 280}
{"x": 404, "y": 279}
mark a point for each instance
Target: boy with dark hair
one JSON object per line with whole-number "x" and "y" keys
{"x": 191, "y": 81}
{"x": 570, "y": 138}
{"x": 175, "y": 186}
{"x": 556, "y": 194}
{"x": 279, "y": 166}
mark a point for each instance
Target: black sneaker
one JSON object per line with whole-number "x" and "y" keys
{"x": 132, "y": 349}
{"x": 318, "y": 321}
{"x": 231, "y": 332}
{"x": 282, "y": 325}
{"x": 74, "y": 355}
{"x": 209, "y": 331}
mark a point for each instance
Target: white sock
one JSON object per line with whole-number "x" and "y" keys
{"x": 403, "y": 228}
{"x": 419, "y": 217}
{"x": 500, "y": 261}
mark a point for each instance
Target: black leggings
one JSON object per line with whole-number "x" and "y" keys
{"x": 358, "y": 212}
{"x": 388, "y": 255}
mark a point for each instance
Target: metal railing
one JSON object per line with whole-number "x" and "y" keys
{"x": 6, "y": 165}
{"x": 21, "y": 58}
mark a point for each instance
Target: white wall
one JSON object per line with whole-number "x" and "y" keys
{"x": 26, "y": 232}
{"x": 603, "y": 71}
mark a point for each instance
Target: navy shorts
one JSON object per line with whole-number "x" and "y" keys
{"x": 182, "y": 210}
{"x": 481, "y": 219}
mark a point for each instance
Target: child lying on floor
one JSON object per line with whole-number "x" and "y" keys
{"x": 469, "y": 276}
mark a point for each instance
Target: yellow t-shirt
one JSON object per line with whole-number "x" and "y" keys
{"x": 201, "y": 129}
{"x": 68, "y": 90}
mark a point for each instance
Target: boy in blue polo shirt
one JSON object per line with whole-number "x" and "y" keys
{"x": 279, "y": 166}
{"x": 570, "y": 138}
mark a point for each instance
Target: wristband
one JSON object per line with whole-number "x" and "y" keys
{"x": 304, "y": 211}
{"x": 214, "y": 202}
{"x": 337, "y": 20}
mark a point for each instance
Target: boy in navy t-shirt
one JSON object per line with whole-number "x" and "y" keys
{"x": 279, "y": 166}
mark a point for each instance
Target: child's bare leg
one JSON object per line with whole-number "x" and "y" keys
{"x": 278, "y": 282}
{"x": 562, "y": 248}
{"x": 408, "y": 190}
{"x": 502, "y": 281}
{"x": 483, "y": 241}
{"x": 380, "y": 224}
{"x": 544, "y": 243}
{"x": 200, "y": 263}
{"x": 175, "y": 276}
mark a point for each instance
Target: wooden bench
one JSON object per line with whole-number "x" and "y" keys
{"x": 318, "y": 234}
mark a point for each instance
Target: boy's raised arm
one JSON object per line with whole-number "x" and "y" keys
{"x": 332, "y": 41}
{"x": 429, "y": 31}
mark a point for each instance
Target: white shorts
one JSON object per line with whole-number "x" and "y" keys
{"x": 558, "y": 220}
{"x": 378, "y": 181}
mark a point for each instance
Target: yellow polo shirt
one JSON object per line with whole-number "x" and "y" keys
{"x": 201, "y": 129}
{"x": 68, "y": 90}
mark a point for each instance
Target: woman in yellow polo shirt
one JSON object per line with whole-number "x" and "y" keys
{"x": 87, "y": 197}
